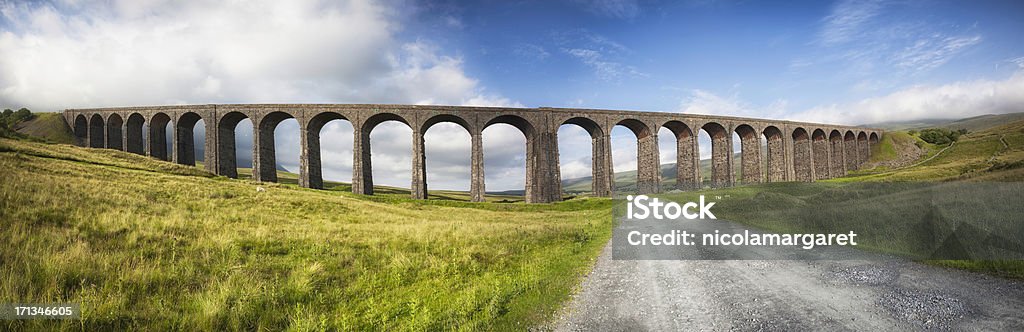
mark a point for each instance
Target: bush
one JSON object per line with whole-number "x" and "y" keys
{"x": 941, "y": 136}
{"x": 11, "y": 118}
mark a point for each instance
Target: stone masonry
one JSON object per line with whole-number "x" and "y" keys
{"x": 795, "y": 151}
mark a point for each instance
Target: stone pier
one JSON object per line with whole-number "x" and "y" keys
{"x": 793, "y": 151}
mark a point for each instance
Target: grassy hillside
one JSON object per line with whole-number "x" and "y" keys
{"x": 886, "y": 149}
{"x": 149, "y": 245}
{"x": 968, "y": 193}
{"x": 47, "y": 126}
{"x": 956, "y": 224}
{"x": 906, "y": 125}
{"x": 981, "y": 122}
{"x": 995, "y": 154}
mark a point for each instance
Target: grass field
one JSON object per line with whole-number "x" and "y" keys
{"x": 149, "y": 245}
{"x": 932, "y": 222}
{"x": 448, "y": 195}
{"x": 144, "y": 244}
{"x": 971, "y": 190}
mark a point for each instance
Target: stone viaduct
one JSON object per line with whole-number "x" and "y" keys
{"x": 796, "y": 151}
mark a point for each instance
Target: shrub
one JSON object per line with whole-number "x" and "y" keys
{"x": 11, "y": 118}
{"x": 940, "y": 136}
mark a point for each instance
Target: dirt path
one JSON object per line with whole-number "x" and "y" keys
{"x": 673, "y": 295}
{"x": 1002, "y": 139}
{"x": 929, "y": 158}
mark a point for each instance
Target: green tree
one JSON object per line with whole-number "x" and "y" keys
{"x": 939, "y": 136}
{"x": 23, "y": 114}
{"x": 5, "y": 117}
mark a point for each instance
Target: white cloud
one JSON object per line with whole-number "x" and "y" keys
{"x": 622, "y": 9}
{"x": 847, "y": 19}
{"x": 955, "y": 100}
{"x": 100, "y": 53}
{"x": 603, "y": 68}
{"x": 601, "y": 54}
{"x": 575, "y": 150}
{"x": 1017, "y": 61}
{"x": 864, "y": 39}
{"x": 949, "y": 101}
{"x": 706, "y": 102}
{"x": 531, "y": 52}
{"x": 929, "y": 53}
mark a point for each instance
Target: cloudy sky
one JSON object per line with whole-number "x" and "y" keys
{"x": 848, "y": 62}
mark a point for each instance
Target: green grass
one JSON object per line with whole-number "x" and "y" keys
{"x": 886, "y": 148}
{"x": 284, "y": 177}
{"x": 911, "y": 219}
{"x": 149, "y": 245}
{"x": 47, "y": 126}
{"x": 977, "y": 156}
{"x": 967, "y": 189}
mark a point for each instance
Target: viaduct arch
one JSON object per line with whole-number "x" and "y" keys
{"x": 795, "y": 151}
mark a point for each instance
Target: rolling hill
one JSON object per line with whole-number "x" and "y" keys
{"x": 143, "y": 244}
{"x": 626, "y": 180}
{"x": 47, "y": 126}
{"x": 976, "y": 123}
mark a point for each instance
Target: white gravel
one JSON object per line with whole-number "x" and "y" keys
{"x": 675, "y": 295}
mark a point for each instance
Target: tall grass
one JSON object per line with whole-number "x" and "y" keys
{"x": 142, "y": 244}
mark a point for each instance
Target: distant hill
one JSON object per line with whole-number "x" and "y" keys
{"x": 906, "y": 125}
{"x": 977, "y": 123}
{"x": 982, "y": 122}
{"x": 626, "y": 180}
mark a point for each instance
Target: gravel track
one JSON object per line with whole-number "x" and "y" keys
{"x": 662, "y": 295}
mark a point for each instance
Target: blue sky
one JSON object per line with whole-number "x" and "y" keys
{"x": 654, "y": 55}
{"x": 845, "y": 62}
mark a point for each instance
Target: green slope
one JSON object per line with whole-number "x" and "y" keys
{"x": 150, "y": 245}
{"x": 976, "y": 123}
{"x": 968, "y": 188}
{"x": 980, "y": 123}
{"x": 978, "y": 156}
{"x": 47, "y": 126}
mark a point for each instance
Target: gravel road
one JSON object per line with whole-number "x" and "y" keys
{"x": 675, "y": 295}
